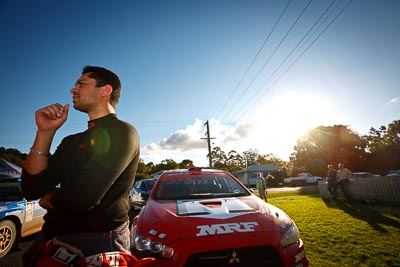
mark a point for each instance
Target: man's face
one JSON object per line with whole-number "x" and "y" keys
{"x": 85, "y": 94}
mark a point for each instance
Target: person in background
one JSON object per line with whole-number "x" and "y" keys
{"x": 261, "y": 186}
{"x": 332, "y": 181}
{"x": 85, "y": 184}
{"x": 344, "y": 176}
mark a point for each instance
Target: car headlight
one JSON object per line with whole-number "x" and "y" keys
{"x": 291, "y": 236}
{"x": 150, "y": 247}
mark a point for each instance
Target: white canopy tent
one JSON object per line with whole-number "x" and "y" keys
{"x": 8, "y": 169}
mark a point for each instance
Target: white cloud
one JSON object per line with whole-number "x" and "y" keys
{"x": 189, "y": 143}
{"x": 180, "y": 145}
{"x": 394, "y": 100}
{"x": 188, "y": 139}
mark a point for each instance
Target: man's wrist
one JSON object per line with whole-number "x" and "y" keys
{"x": 39, "y": 152}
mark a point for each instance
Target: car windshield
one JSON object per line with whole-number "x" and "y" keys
{"x": 145, "y": 184}
{"x": 10, "y": 193}
{"x": 148, "y": 185}
{"x": 199, "y": 188}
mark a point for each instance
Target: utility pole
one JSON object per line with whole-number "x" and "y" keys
{"x": 209, "y": 143}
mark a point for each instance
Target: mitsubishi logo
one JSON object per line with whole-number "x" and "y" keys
{"x": 234, "y": 258}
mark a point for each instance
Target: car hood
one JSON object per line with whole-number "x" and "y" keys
{"x": 194, "y": 218}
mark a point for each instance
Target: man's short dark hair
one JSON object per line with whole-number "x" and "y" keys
{"x": 105, "y": 77}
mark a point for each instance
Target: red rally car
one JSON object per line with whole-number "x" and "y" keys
{"x": 205, "y": 217}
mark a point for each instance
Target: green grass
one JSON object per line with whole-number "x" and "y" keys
{"x": 341, "y": 233}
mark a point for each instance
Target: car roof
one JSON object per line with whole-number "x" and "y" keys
{"x": 146, "y": 180}
{"x": 194, "y": 172}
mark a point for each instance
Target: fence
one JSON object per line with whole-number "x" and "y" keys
{"x": 385, "y": 189}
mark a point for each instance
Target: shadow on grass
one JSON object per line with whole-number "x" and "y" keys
{"x": 361, "y": 211}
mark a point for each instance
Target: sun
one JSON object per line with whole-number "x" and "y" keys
{"x": 297, "y": 113}
{"x": 287, "y": 117}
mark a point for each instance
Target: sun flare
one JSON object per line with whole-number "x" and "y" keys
{"x": 288, "y": 117}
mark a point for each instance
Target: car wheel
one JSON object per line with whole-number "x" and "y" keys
{"x": 8, "y": 234}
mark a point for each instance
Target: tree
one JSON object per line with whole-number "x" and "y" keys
{"x": 250, "y": 156}
{"x": 270, "y": 159}
{"x": 235, "y": 161}
{"x": 383, "y": 146}
{"x": 150, "y": 167}
{"x": 374, "y": 140}
{"x": 186, "y": 164}
{"x": 392, "y": 135}
{"x": 142, "y": 172}
{"x": 379, "y": 140}
{"x": 13, "y": 155}
{"x": 325, "y": 145}
{"x": 166, "y": 164}
{"x": 219, "y": 158}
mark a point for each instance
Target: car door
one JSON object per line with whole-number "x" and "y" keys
{"x": 33, "y": 218}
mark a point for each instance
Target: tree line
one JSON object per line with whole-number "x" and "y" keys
{"x": 377, "y": 152}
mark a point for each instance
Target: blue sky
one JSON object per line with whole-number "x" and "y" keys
{"x": 182, "y": 63}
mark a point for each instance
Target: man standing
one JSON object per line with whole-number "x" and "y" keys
{"x": 85, "y": 184}
{"x": 332, "y": 181}
{"x": 344, "y": 175}
{"x": 261, "y": 186}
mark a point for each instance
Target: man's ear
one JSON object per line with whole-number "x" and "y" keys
{"x": 107, "y": 90}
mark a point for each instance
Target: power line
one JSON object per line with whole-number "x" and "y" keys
{"x": 254, "y": 59}
{"x": 271, "y": 55}
{"x": 295, "y": 61}
{"x": 286, "y": 58}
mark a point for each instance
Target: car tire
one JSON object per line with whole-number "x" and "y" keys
{"x": 8, "y": 235}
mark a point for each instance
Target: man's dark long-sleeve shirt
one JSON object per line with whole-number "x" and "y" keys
{"x": 332, "y": 175}
{"x": 91, "y": 174}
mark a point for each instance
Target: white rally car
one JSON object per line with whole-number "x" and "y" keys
{"x": 18, "y": 217}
